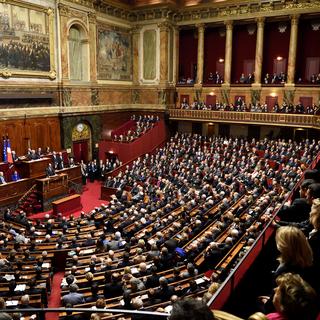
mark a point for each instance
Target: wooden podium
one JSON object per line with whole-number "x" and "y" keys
{"x": 54, "y": 186}
{"x": 33, "y": 168}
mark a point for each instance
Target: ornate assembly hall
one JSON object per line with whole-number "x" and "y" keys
{"x": 159, "y": 159}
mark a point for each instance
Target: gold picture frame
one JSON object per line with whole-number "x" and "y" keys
{"x": 26, "y": 40}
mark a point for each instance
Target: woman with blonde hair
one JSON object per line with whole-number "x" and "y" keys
{"x": 314, "y": 235}
{"x": 294, "y": 249}
{"x": 295, "y": 255}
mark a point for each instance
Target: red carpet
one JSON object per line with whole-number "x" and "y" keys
{"x": 89, "y": 199}
{"x": 54, "y": 300}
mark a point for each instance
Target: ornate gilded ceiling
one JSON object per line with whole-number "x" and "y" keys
{"x": 184, "y": 12}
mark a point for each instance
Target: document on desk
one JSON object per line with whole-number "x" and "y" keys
{"x": 20, "y": 287}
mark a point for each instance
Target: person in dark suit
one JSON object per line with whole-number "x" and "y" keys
{"x": 50, "y": 170}
{"x": 94, "y": 293}
{"x": 73, "y": 297}
{"x": 60, "y": 165}
{"x": 165, "y": 291}
{"x": 299, "y": 209}
{"x": 14, "y": 156}
{"x": 33, "y": 155}
{"x": 153, "y": 280}
{"x": 213, "y": 255}
{"x": 114, "y": 288}
{"x": 188, "y": 309}
{"x": 137, "y": 304}
{"x": 55, "y": 160}
{"x": 39, "y": 153}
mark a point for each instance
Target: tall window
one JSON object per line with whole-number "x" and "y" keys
{"x": 78, "y": 54}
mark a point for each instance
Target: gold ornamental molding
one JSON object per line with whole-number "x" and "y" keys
{"x": 202, "y": 13}
{"x": 207, "y": 13}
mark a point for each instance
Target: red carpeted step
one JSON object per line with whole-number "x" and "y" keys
{"x": 54, "y": 300}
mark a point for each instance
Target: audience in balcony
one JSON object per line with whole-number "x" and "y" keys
{"x": 280, "y": 78}
{"x": 315, "y": 79}
{"x": 142, "y": 125}
{"x": 183, "y": 80}
{"x": 246, "y": 79}
{"x": 215, "y": 78}
{"x": 241, "y": 106}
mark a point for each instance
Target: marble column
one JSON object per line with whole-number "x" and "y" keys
{"x": 201, "y": 28}
{"x": 164, "y": 51}
{"x": 64, "y": 16}
{"x": 92, "y": 45}
{"x": 293, "y": 49}
{"x": 228, "y": 52}
{"x": 176, "y": 54}
{"x": 259, "y": 51}
{"x": 135, "y": 49}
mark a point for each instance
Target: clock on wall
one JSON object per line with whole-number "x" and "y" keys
{"x": 80, "y": 127}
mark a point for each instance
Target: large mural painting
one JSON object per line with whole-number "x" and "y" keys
{"x": 114, "y": 53}
{"x": 26, "y": 37}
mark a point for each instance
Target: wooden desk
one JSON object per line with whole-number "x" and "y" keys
{"x": 34, "y": 168}
{"x": 74, "y": 174}
{"x": 107, "y": 192}
{"x": 11, "y": 192}
{"x": 53, "y": 186}
{"x": 67, "y": 205}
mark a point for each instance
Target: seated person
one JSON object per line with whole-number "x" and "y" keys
{"x": 14, "y": 156}
{"x": 15, "y": 176}
{"x": 73, "y": 297}
{"x": 2, "y": 179}
{"x": 39, "y": 153}
{"x": 71, "y": 162}
{"x": 50, "y": 171}
{"x": 32, "y": 155}
{"x": 186, "y": 309}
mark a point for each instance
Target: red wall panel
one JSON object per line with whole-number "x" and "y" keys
{"x": 214, "y": 49}
{"x": 188, "y": 53}
{"x": 243, "y": 48}
{"x": 275, "y": 44}
{"x": 308, "y": 46}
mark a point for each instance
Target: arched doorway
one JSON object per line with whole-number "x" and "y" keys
{"x": 81, "y": 142}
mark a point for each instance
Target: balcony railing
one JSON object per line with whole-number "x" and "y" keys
{"x": 277, "y": 119}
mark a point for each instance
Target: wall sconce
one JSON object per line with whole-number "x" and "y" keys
{"x": 221, "y": 60}
{"x": 279, "y": 58}
{"x": 273, "y": 94}
{"x": 211, "y": 93}
{"x": 282, "y": 27}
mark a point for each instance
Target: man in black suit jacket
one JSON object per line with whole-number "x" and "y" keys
{"x": 50, "y": 171}
{"x": 165, "y": 291}
{"x": 113, "y": 289}
{"x": 60, "y": 161}
{"x": 55, "y": 160}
